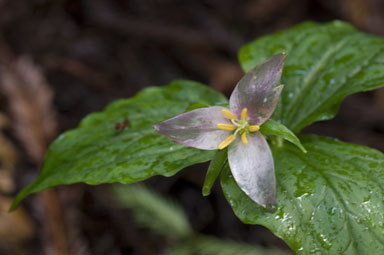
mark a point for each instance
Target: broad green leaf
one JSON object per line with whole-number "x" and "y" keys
{"x": 329, "y": 201}
{"x": 274, "y": 128}
{"x": 326, "y": 63}
{"x": 96, "y": 153}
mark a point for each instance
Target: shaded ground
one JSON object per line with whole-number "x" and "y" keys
{"x": 68, "y": 58}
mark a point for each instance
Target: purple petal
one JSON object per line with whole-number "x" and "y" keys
{"x": 197, "y": 128}
{"x": 256, "y": 91}
{"x": 252, "y": 167}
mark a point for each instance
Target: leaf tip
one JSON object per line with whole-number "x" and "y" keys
{"x": 15, "y": 203}
{"x": 302, "y": 148}
{"x": 206, "y": 191}
{"x": 23, "y": 194}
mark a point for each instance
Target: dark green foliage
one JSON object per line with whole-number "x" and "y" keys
{"x": 326, "y": 63}
{"x": 329, "y": 201}
{"x": 96, "y": 153}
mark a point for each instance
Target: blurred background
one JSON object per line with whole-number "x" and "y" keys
{"x": 60, "y": 60}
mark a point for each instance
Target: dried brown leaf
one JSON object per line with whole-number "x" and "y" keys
{"x": 4, "y": 122}
{"x": 30, "y": 99}
{"x": 7, "y": 159}
{"x": 14, "y": 227}
{"x": 7, "y": 165}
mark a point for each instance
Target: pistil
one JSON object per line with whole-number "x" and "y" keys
{"x": 240, "y": 126}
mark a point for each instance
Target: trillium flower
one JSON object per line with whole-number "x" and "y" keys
{"x": 252, "y": 102}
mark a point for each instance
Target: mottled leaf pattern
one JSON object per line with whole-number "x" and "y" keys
{"x": 329, "y": 201}
{"x": 326, "y": 63}
{"x": 95, "y": 153}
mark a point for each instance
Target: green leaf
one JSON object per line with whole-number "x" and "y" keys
{"x": 217, "y": 163}
{"x": 207, "y": 245}
{"x": 96, "y": 153}
{"x": 196, "y": 106}
{"x": 329, "y": 201}
{"x": 326, "y": 63}
{"x": 153, "y": 211}
{"x": 274, "y": 128}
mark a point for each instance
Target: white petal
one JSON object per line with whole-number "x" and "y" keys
{"x": 252, "y": 168}
{"x": 256, "y": 91}
{"x": 197, "y": 128}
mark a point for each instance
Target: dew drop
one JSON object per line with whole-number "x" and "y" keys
{"x": 271, "y": 208}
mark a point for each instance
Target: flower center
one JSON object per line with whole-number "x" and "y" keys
{"x": 239, "y": 126}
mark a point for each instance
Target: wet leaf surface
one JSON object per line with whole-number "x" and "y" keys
{"x": 96, "y": 152}
{"x": 329, "y": 201}
{"x": 326, "y": 63}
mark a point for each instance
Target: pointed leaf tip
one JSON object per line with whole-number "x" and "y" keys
{"x": 274, "y": 128}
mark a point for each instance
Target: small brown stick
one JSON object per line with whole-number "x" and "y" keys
{"x": 120, "y": 126}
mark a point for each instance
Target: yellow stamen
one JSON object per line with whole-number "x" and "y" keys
{"x": 253, "y": 128}
{"x": 227, "y": 142}
{"x": 226, "y": 127}
{"x": 244, "y": 114}
{"x": 228, "y": 114}
{"x": 244, "y": 138}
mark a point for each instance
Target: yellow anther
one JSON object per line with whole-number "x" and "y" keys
{"x": 244, "y": 138}
{"x": 228, "y": 114}
{"x": 253, "y": 128}
{"x": 227, "y": 142}
{"x": 226, "y": 127}
{"x": 244, "y": 114}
